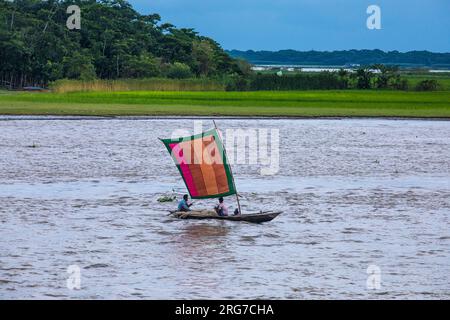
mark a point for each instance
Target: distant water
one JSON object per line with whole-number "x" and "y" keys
{"x": 355, "y": 193}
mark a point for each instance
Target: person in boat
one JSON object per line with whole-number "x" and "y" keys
{"x": 183, "y": 205}
{"x": 221, "y": 208}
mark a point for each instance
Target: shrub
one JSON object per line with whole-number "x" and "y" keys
{"x": 179, "y": 70}
{"x": 143, "y": 66}
{"x": 79, "y": 66}
{"x": 363, "y": 78}
{"x": 399, "y": 83}
{"x": 237, "y": 83}
{"x": 427, "y": 85}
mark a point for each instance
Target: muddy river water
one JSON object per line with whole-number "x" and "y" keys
{"x": 366, "y": 212}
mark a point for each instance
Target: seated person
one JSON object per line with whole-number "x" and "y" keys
{"x": 221, "y": 208}
{"x": 183, "y": 205}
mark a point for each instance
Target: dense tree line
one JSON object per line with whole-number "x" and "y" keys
{"x": 386, "y": 77}
{"x": 340, "y": 58}
{"x": 114, "y": 41}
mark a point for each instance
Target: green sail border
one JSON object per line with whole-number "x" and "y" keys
{"x": 215, "y": 134}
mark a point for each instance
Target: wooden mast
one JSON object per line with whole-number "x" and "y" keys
{"x": 231, "y": 171}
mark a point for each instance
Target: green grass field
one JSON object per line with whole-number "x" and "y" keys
{"x": 443, "y": 80}
{"x": 261, "y": 103}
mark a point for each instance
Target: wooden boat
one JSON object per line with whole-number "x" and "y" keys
{"x": 202, "y": 162}
{"x": 258, "y": 217}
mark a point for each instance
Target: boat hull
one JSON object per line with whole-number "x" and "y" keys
{"x": 203, "y": 215}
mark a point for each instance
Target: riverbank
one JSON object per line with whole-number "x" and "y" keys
{"x": 348, "y": 103}
{"x": 146, "y": 118}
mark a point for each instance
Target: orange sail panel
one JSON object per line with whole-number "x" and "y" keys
{"x": 203, "y": 165}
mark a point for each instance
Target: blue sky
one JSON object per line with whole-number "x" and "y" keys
{"x": 310, "y": 24}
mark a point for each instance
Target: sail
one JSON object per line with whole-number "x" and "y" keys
{"x": 202, "y": 163}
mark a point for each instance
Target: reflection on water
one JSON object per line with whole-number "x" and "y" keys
{"x": 195, "y": 233}
{"x": 354, "y": 193}
{"x": 199, "y": 250}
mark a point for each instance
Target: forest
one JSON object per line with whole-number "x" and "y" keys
{"x": 114, "y": 41}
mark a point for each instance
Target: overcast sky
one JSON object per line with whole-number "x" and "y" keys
{"x": 310, "y": 24}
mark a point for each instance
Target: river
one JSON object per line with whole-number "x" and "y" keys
{"x": 357, "y": 195}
